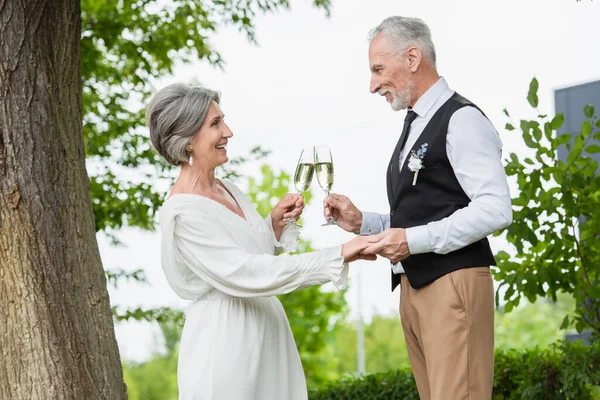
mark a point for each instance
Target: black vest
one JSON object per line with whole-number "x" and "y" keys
{"x": 436, "y": 195}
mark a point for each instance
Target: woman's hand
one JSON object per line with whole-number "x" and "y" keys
{"x": 290, "y": 206}
{"x": 351, "y": 251}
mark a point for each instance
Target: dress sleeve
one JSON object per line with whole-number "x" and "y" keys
{"x": 288, "y": 241}
{"x": 215, "y": 256}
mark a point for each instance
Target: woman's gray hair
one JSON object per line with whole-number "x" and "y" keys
{"x": 406, "y": 32}
{"x": 174, "y": 116}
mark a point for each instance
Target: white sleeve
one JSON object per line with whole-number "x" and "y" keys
{"x": 475, "y": 153}
{"x": 374, "y": 223}
{"x": 288, "y": 240}
{"x": 215, "y": 257}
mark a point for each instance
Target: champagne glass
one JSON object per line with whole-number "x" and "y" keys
{"x": 303, "y": 176}
{"x": 324, "y": 170}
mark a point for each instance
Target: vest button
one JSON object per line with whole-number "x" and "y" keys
{"x": 392, "y": 213}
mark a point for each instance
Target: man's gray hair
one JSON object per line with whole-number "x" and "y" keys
{"x": 406, "y": 32}
{"x": 174, "y": 116}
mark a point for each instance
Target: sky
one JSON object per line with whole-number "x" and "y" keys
{"x": 307, "y": 83}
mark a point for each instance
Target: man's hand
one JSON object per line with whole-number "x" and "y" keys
{"x": 343, "y": 211}
{"x": 390, "y": 244}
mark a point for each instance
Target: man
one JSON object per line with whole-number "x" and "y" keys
{"x": 447, "y": 191}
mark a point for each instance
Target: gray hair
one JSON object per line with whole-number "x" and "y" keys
{"x": 406, "y": 32}
{"x": 174, "y": 116}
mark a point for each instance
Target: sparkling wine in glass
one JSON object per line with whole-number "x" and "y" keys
{"x": 324, "y": 171}
{"x": 303, "y": 176}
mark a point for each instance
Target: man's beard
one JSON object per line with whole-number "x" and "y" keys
{"x": 401, "y": 99}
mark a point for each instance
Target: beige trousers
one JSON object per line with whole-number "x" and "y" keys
{"x": 449, "y": 331}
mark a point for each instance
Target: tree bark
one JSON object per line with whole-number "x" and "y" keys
{"x": 57, "y": 338}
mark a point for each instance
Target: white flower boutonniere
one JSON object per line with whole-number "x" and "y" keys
{"x": 415, "y": 162}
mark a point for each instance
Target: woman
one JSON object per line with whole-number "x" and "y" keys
{"x": 218, "y": 252}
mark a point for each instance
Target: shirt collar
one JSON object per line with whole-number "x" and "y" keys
{"x": 425, "y": 102}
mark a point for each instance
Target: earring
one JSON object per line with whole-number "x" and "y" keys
{"x": 191, "y": 160}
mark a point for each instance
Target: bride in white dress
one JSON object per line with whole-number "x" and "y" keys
{"x": 220, "y": 254}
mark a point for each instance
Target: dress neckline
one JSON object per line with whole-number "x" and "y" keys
{"x": 229, "y": 191}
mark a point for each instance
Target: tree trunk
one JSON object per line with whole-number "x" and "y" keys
{"x": 57, "y": 338}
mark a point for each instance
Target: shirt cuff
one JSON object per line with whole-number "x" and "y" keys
{"x": 371, "y": 223}
{"x": 397, "y": 268}
{"x": 417, "y": 239}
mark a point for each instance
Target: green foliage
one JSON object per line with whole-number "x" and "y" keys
{"x": 114, "y": 276}
{"x": 156, "y": 379}
{"x": 399, "y": 384}
{"x": 125, "y": 46}
{"x": 385, "y": 348}
{"x": 313, "y": 313}
{"x": 556, "y": 223}
{"x": 527, "y": 326}
{"x": 532, "y": 325}
{"x": 161, "y": 314}
{"x": 563, "y": 371}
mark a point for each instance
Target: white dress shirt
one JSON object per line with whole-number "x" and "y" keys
{"x": 474, "y": 150}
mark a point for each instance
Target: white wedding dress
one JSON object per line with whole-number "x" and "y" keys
{"x": 236, "y": 342}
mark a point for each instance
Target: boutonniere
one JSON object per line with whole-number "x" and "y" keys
{"x": 415, "y": 162}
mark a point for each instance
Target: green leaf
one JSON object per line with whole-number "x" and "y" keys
{"x": 526, "y": 127}
{"x": 577, "y": 147}
{"x": 537, "y": 133}
{"x": 505, "y": 111}
{"x": 548, "y": 131}
{"x": 529, "y": 141}
{"x": 580, "y": 326}
{"x": 562, "y": 139}
{"x": 509, "y": 127}
{"x": 520, "y": 201}
{"x": 557, "y": 121}
{"x": 588, "y": 111}
{"x": 565, "y": 323}
{"x": 508, "y": 307}
{"x": 593, "y": 149}
{"x": 532, "y": 97}
{"x": 586, "y": 129}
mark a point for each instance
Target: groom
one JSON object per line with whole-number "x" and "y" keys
{"x": 447, "y": 192}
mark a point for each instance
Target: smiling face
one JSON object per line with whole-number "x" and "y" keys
{"x": 391, "y": 75}
{"x": 209, "y": 147}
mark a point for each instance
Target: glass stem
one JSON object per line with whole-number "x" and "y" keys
{"x": 330, "y": 214}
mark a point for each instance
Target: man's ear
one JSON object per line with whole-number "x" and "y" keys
{"x": 413, "y": 56}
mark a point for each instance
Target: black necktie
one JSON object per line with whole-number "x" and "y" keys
{"x": 410, "y": 117}
{"x": 395, "y": 162}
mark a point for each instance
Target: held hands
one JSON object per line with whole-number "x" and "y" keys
{"x": 353, "y": 250}
{"x": 290, "y": 206}
{"x": 390, "y": 244}
{"x": 343, "y": 211}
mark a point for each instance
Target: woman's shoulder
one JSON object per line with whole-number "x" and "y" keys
{"x": 183, "y": 203}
